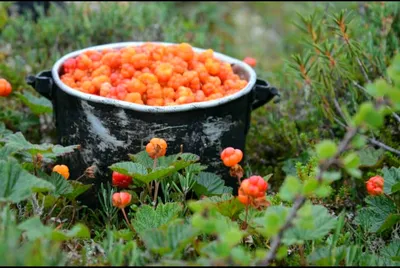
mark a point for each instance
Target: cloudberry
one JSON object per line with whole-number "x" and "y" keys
{"x": 121, "y": 200}
{"x": 121, "y": 180}
{"x": 375, "y": 185}
{"x": 5, "y": 88}
{"x": 250, "y": 61}
{"x": 156, "y": 147}
{"x": 154, "y": 71}
{"x": 231, "y": 156}
{"x": 63, "y": 170}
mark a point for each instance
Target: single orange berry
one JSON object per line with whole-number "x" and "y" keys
{"x": 231, "y": 156}
{"x": 250, "y": 61}
{"x": 121, "y": 200}
{"x": 5, "y": 88}
{"x": 156, "y": 147}
{"x": 63, "y": 170}
{"x": 375, "y": 185}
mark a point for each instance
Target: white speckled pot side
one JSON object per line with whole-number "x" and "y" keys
{"x": 152, "y": 109}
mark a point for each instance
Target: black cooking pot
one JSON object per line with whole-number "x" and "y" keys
{"x": 109, "y": 129}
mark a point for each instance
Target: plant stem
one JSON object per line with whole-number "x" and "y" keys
{"x": 300, "y": 200}
{"x": 127, "y": 221}
{"x": 157, "y": 185}
{"x": 247, "y": 213}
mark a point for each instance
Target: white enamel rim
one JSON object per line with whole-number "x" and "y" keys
{"x": 152, "y": 109}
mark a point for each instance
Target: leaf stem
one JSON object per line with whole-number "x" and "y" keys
{"x": 127, "y": 221}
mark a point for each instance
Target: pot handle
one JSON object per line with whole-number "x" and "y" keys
{"x": 42, "y": 83}
{"x": 263, "y": 93}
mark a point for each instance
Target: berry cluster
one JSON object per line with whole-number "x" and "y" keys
{"x": 152, "y": 74}
{"x": 156, "y": 148}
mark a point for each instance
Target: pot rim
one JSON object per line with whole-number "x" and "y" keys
{"x": 153, "y": 109}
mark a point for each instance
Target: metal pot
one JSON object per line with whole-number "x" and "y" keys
{"x": 109, "y": 129}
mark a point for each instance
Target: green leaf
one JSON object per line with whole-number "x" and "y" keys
{"x": 396, "y": 187}
{"x": 142, "y": 158}
{"x": 331, "y": 176}
{"x": 323, "y": 191}
{"x": 78, "y": 231}
{"x": 289, "y": 165}
{"x": 38, "y": 105}
{"x": 326, "y": 149}
{"x": 129, "y": 168}
{"x": 34, "y": 228}
{"x": 62, "y": 186}
{"x": 378, "y": 216}
{"x": 209, "y": 184}
{"x": 78, "y": 189}
{"x": 16, "y": 142}
{"x": 271, "y": 222}
{"x": 148, "y": 218}
{"x": 392, "y": 251}
{"x": 392, "y": 177}
{"x": 390, "y": 221}
{"x": 174, "y": 237}
{"x": 351, "y": 160}
{"x": 16, "y": 184}
{"x": 355, "y": 172}
{"x": 290, "y": 189}
{"x": 310, "y": 186}
{"x": 321, "y": 221}
{"x": 139, "y": 172}
{"x": 367, "y": 114}
{"x": 370, "y": 156}
{"x": 226, "y": 204}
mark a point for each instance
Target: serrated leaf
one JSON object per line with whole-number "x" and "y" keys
{"x": 129, "y": 168}
{"x": 34, "y": 228}
{"x": 172, "y": 238}
{"x": 226, "y": 204}
{"x": 16, "y": 184}
{"x": 210, "y": 184}
{"x": 142, "y": 158}
{"x": 148, "y": 218}
{"x": 374, "y": 217}
{"x": 396, "y": 187}
{"x": 271, "y": 222}
{"x": 16, "y": 142}
{"x": 392, "y": 177}
{"x": 62, "y": 186}
{"x": 38, "y": 105}
{"x": 322, "y": 221}
{"x": 370, "y": 156}
{"x": 78, "y": 189}
{"x": 392, "y": 250}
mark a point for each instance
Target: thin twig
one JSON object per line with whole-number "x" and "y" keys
{"x": 300, "y": 200}
{"x": 384, "y": 146}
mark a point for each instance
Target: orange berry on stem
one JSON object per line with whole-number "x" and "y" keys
{"x": 121, "y": 200}
{"x": 231, "y": 156}
{"x": 63, "y": 170}
{"x": 156, "y": 147}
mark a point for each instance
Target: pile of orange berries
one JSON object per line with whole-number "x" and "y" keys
{"x": 152, "y": 74}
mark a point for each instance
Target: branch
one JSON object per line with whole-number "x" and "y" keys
{"x": 384, "y": 146}
{"x": 300, "y": 200}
